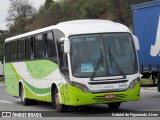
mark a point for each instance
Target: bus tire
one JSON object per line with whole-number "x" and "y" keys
{"x": 56, "y": 102}
{"x": 24, "y": 100}
{"x": 115, "y": 105}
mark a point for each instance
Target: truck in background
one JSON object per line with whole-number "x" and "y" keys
{"x": 146, "y": 26}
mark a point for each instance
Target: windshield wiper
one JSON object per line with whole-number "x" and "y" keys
{"x": 97, "y": 65}
{"x": 116, "y": 63}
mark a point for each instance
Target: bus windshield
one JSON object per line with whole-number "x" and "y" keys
{"x": 113, "y": 52}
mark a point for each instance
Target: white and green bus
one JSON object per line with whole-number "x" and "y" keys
{"x": 74, "y": 63}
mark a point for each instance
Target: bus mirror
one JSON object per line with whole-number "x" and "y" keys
{"x": 136, "y": 42}
{"x": 66, "y": 44}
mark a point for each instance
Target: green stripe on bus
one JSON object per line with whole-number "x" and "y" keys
{"x": 39, "y": 91}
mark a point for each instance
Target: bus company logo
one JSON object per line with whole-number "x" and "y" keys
{"x": 122, "y": 85}
{"x": 6, "y": 114}
{"x": 155, "y": 49}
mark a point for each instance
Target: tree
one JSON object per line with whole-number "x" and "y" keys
{"x": 3, "y": 36}
{"x": 95, "y": 8}
{"x": 20, "y": 8}
{"x": 55, "y": 11}
{"x": 18, "y": 13}
{"x": 18, "y": 27}
{"x": 122, "y": 10}
{"x": 47, "y": 3}
{"x": 3, "y": 32}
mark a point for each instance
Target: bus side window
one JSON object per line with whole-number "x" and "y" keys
{"x": 13, "y": 51}
{"x": 64, "y": 61}
{"x": 58, "y": 34}
{"x": 29, "y": 48}
{"x": 38, "y": 46}
{"x": 21, "y": 49}
{"x": 7, "y": 52}
{"x": 49, "y": 46}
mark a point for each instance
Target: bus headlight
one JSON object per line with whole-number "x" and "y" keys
{"x": 133, "y": 83}
{"x": 81, "y": 86}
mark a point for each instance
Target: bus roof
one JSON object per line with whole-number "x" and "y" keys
{"x": 30, "y": 33}
{"x": 79, "y": 27}
{"x": 91, "y": 26}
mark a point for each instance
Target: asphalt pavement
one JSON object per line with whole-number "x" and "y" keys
{"x": 150, "y": 101}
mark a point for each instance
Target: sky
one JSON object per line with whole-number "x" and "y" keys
{"x": 4, "y": 5}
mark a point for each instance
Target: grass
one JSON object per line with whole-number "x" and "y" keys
{"x": 145, "y": 81}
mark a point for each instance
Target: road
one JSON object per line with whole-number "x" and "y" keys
{"x": 150, "y": 101}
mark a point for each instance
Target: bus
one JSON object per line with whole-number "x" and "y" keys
{"x": 74, "y": 63}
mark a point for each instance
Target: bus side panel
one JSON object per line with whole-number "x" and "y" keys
{"x": 42, "y": 74}
{"x": 37, "y": 77}
{"x": 11, "y": 79}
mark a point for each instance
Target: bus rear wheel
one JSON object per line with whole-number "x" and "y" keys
{"x": 114, "y": 105}
{"x": 24, "y": 100}
{"x": 56, "y": 102}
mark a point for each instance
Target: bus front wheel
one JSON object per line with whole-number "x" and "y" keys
{"x": 56, "y": 102}
{"x": 114, "y": 105}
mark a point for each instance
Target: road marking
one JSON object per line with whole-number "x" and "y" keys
{"x": 7, "y": 102}
{"x": 149, "y": 91}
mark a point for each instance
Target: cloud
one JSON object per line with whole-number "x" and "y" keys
{"x": 3, "y": 12}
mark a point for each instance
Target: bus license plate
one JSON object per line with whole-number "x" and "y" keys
{"x": 110, "y": 96}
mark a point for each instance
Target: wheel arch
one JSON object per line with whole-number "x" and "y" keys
{"x": 54, "y": 86}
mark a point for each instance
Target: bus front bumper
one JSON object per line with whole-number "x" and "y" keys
{"x": 74, "y": 96}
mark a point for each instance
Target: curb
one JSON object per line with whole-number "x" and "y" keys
{"x": 148, "y": 88}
